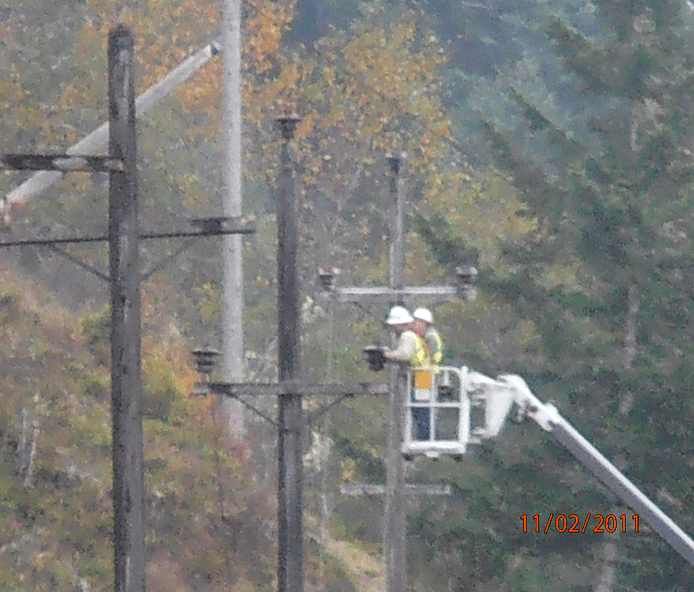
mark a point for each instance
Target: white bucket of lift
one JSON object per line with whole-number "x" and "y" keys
{"x": 496, "y": 397}
{"x": 446, "y": 412}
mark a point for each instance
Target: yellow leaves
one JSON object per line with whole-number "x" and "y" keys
{"x": 243, "y": 585}
{"x": 11, "y": 93}
{"x": 483, "y": 211}
{"x": 66, "y": 513}
{"x": 264, "y": 27}
{"x": 207, "y": 301}
{"x": 347, "y": 470}
{"x": 189, "y": 185}
{"x": 364, "y": 91}
{"x": 329, "y": 76}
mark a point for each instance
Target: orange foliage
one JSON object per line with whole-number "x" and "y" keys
{"x": 164, "y": 574}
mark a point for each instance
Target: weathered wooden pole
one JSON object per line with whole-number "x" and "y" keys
{"x": 395, "y": 522}
{"x": 128, "y": 480}
{"x": 290, "y": 420}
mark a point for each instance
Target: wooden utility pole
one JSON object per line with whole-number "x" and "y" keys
{"x": 290, "y": 478}
{"x": 123, "y": 235}
{"x": 394, "y": 539}
{"x": 290, "y": 389}
{"x": 232, "y": 205}
{"x": 126, "y": 388}
{"x": 395, "y": 528}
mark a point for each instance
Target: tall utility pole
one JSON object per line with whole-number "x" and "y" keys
{"x": 290, "y": 389}
{"x": 395, "y": 526}
{"x": 123, "y": 236}
{"x": 232, "y": 205}
{"x": 395, "y": 543}
{"x": 126, "y": 386}
{"x": 289, "y": 461}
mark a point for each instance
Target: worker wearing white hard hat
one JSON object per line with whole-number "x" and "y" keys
{"x": 424, "y": 325}
{"x": 410, "y": 348}
{"x": 423, "y": 314}
{"x": 399, "y": 315}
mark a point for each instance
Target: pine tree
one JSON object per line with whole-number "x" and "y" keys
{"x": 599, "y": 152}
{"x": 610, "y": 187}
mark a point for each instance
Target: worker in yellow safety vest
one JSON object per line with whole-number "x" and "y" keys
{"x": 424, "y": 325}
{"x": 412, "y": 349}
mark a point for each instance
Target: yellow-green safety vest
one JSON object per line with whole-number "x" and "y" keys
{"x": 420, "y": 357}
{"x": 422, "y": 378}
{"x": 434, "y": 340}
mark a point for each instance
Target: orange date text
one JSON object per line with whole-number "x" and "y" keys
{"x": 573, "y": 523}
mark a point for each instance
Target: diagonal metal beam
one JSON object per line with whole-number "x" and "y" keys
{"x": 163, "y": 262}
{"x": 97, "y": 140}
{"x": 321, "y": 411}
{"x": 80, "y": 262}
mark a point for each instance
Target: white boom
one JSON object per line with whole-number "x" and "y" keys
{"x": 428, "y": 432}
{"x": 96, "y": 141}
{"x": 550, "y": 420}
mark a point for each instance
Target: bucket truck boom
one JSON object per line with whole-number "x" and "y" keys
{"x": 443, "y": 421}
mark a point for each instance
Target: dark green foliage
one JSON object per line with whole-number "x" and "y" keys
{"x": 587, "y": 109}
{"x": 617, "y": 215}
{"x": 606, "y": 169}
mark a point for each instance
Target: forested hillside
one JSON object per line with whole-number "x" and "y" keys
{"x": 550, "y": 142}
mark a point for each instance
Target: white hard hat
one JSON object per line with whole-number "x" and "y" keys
{"x": 423, "y": 314}
{"x": 399, "y": 315}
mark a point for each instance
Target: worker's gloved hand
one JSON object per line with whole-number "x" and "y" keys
{"x": 375, "y": 356}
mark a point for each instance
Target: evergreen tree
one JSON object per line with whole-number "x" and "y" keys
{"x": 609, "y": 195}
{"x": 599, "y": 153}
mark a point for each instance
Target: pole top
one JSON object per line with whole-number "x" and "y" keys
{"x": 287, "y": 124}
{"x": 394, "y": 161}
{"x": 121, "y": 36}
{"x": 205, "y": 359}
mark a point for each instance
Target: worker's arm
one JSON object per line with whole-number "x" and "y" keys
{"x": 404, "y": 351}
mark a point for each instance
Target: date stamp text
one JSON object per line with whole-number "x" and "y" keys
{"x": 574, "y": 523}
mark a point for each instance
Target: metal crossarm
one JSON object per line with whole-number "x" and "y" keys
{"x": 355, "y": 489}
{"x": 61, "y": 162}
{"x": 338, "y": 391}
{"x": 296, "y": 387}
{"x": 198, "y": 227}
{"x": 383, "y": 294}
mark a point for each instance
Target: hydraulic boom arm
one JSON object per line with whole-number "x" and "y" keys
{"x": 550, "y": 420}
{"x": 460, "y": 394}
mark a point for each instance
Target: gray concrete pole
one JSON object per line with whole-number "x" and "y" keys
{"x": 289, "y": 485}
{"x": 395, "y": 528}
{"x": 232, "y": 205}
{"x": 126, "y": 388}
